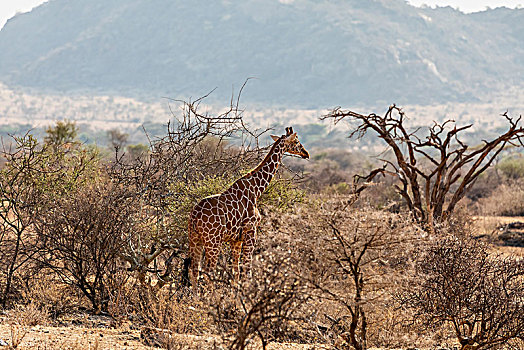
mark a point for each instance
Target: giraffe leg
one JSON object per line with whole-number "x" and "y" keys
{"x": 211, "y": 258}
{"x": 247, "y": 250}
{"x": 195, "y": 254}
{"x": 236, "y": 250}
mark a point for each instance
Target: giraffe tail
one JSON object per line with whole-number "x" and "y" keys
{"x": 189, "y": 260}
{"x": 185, "y": 271}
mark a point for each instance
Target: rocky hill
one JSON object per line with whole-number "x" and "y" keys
{"x": 303, "y": 53}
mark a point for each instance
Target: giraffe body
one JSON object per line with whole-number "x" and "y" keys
{"x": 232, "y": 216}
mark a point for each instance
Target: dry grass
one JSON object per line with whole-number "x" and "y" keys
{"x": 74, "y": 338}
{"x": 486, "y": 225}
{"x": 506, "y": 200}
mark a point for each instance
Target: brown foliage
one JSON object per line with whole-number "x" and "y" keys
{"x": 267, "y": 305}
{"x": 34, "y": 177}
{"x": 350, "y": 258}
{"x": 324, "y": 271}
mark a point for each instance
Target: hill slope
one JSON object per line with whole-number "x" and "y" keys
{"x": 307, "y": 53}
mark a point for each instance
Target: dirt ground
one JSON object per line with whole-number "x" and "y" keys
{"x": 101, "y": 336}
{"x": 506, "y": 233}
{"x": 39, "y": 337}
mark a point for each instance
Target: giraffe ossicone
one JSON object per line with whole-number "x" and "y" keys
{"x": 232, "y": 216}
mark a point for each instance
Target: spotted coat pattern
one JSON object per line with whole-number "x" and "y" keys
{"x": 232, "y": 216}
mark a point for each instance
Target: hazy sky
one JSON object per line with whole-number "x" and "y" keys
{"x": 8, "y": 8}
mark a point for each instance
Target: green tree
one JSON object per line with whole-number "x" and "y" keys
{"x": 63, "y": 132}
{"x": 512, "y": 166}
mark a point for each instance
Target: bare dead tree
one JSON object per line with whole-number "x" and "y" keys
{"x": 480, "y": 295}
{"x": 197, "y": 146}
{"x": 436, "y": 171}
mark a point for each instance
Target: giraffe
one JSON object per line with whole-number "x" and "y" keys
{"x": 232, "y": 216}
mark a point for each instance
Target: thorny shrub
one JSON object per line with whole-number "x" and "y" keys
{"x": 506, "y": 200}
{"x": 478, "y": 294}
{"x": 195, "y": 158}
{"x": 80, "y": 239}
{"x": 271, "y": 304}
{"x": 352, "y": 260}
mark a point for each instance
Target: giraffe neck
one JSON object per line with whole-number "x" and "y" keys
{"x": 260, "y": 177}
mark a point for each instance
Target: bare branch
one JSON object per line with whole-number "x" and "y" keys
{"x": 427, "y": 187}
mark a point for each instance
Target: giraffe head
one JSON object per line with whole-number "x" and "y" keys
{"x": 291, "y": 143}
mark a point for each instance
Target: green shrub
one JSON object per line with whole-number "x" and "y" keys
{"x": 512, "y": 167}
{"x": 281, "y": 194}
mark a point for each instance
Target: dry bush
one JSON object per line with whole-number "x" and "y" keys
{"x": 165, "y": 316}
{"x": 350, "y": 262}
{"x": 478, "y": 294}
{"x": 325, "y": 173}
{"x": 328, "y": 168}
{"x": 34, "y": 176}
{"x": 29, "y": 315}
{"x": 505, "y": 200}
{"x": 380, "y": 195}
{"x": 47, "y": 292}
{"x": 80, "y": 239}
{"x": 173, "y": 311}
{"x": 20, "y": 318}
{"x": 193, "y": 159}
{"x": 485, "y": 185}
{"x": 270, "y": 305}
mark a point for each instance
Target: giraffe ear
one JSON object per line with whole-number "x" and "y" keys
{"x": 275, "y": 138}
